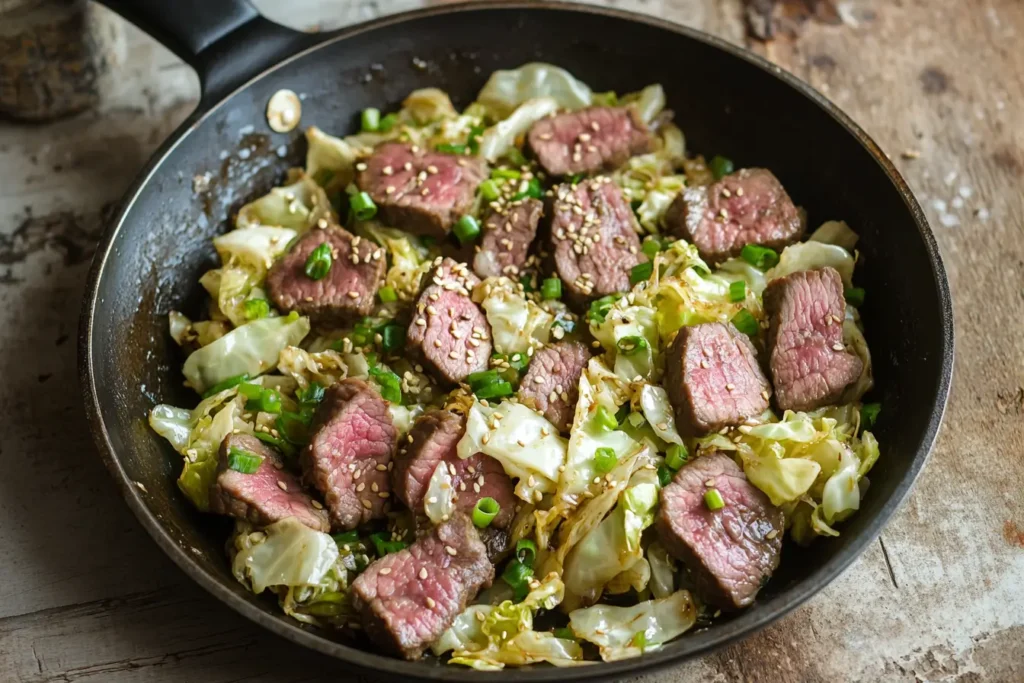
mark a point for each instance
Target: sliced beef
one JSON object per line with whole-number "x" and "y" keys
{"x": 507, "y": 234}
{"x": 417, "y": 190}
{"x": 448, "y": 329}
{"x": 713, "y": 379}
{"x": 432, "y": 441}
{"x": 809, "y": 363}
{"x": 589, "y": 140}
{"x": 746, "y": 207}
{"x": 349, "y": 453}
{"x": 268, "y": 495}
{"x": 409, "y": 598}
{"x": 732, "y": 551}
{"x": 552, "y": 383}
{"x": 594, "y": 239}
{"x": 349, "y": 287}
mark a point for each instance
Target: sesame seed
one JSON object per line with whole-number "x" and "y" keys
{"x": 423, "y": 572}
{"x": 704, "y": 364}
{"x": 389, "y": 189}
{"x": 385, "y": 571}
{"x": 356, "y": 474}
{"x": 730, "y": 386}
{"x": 281, "y": 485}
{"x": 366, "y": 504}
{"x": 451, "y": 551}
{"x": 383, "y": 494}
{"x": 432, "y": 500}
{"x": 838, "y": 346}
{"x": 771, "y": 534}
{"x": 317, "y": 504}
{"x": 382, "y": 468}
{"x": 765, "y": 395}
{"x": 374, "y": 487}
{"x": 739, "y": 191}
{"x": 361, "y": 166}
{"x": 353, "y": 295}
{"x": 361, "y": 487}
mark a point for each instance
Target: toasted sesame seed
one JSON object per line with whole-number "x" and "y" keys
{"x": 771, "y": 534}
{"x": 451, "y": 551}
{"x": 317, "y": 504}
{"x": 385, "y": 570}
{"x": 383, "y": 494}
{"x": 838, "y": 346}
{"x": 730, "y": 386}
{"x": 362, "y": 485}
{"x": 366, "y": 504}
{"x": 281, "y": 485}
{"x": 423, "y": 573}
{"x": 389, "y": 189}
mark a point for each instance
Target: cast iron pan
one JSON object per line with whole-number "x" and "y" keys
{"x": 726, "y": 101}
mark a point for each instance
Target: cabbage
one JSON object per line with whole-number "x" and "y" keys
{"x": 516, "y": 323}
{"x": 197, "y": 434}
{"x": 527, "y": 445}
{"x": 736, "y": 269}
{"x": 180, "y": 328}
{"x": 230, "y": 287}
{"x": 488, "y": 637}
{"x": 251, "y": 349}
{"x": 649, "y": 102}
{"x": 506, "y": 90}
{"x": 810, "y": 256}
{"x": 330, "y": 161}
{"x": 651, "y": 179}
{"x": 501, "y": 137}
{"x": 658, "y": 412}
{"x": 663, "y": 570}
{"x": 428, "y": 105}
{"x": 253, "y": 248}
{"x": 439, "y": 501}
{"x": 854, "y": 339}
{"x": 622, "y": 321}
{"x": 623, "y": 632}
{"x": 323, "y": 367}
{"x": 410, "y": 259}
{"x": 288, "y": 554}
{"x": 403, "y": 417}
{"x": 837, "y": 233}
{"x": 298, "y": 206}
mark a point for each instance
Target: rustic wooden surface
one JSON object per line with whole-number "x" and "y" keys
{"x": 86, "y": 596}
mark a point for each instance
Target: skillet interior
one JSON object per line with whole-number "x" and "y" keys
{"x": 724, "y": 102}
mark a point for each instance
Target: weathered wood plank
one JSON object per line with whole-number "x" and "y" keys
{"x": 86, "y": 596}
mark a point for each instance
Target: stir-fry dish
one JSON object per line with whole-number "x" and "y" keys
{"x": 526, "y": 383}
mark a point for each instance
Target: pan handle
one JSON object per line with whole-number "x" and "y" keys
{"x": 227, "y": 42}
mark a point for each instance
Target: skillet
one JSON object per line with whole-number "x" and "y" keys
{"x": 726, "y": 101}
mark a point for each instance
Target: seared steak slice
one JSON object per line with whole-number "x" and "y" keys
{"x": 409, "y": 598}
{"x": 732, "y": 551}
{"x": 448, "y": 329}
{"x": 552, "y": 383}
{"x": 810, "y": 365}
{"x": 713, "y": 379}
{"x": 417, "y": 190}
{"x": 349, "y": 287}
{"x": 268, "y": 495}
{"x": 588, "y": 140}
{"x": 508, "y": 233}
{"x": 432, "y": 441}
{"x": 593, "y": 238}
{"x": 746, "y": 207}
{"x": 349, "y": 453}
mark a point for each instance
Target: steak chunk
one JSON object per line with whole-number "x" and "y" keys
{"x": 448, "y": 329}
{"x": 349, "y": 452}
{"x": 268, "y": 495}
{"x": 713, "y": 379}
{"x": 349, "y": 287}
{"x": 746, "y": 207}
{"x": 433, "y": 440}
{"x": 507, "y": 237}
{"x": 420, "y": 191}
{"x": 732, "y": 551}
{"x": 593, "y": 238}
{"x": 809, "y": 363}
{"x": 552, "y": 383}
{"x": 588, "y": 140}
{"x": 409, "y": 598}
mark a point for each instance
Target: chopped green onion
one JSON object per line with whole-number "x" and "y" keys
{"x": 631, "y": 345}
{"x": 855, "y": 296}
{"x": 226, "y": 384}
{"x": 451, "y": 149}
{"x": 387, "y": 123}
{"x": 639, "y": 641}
{"x": 392, "y": 337}
{"x": 387, "y": 295}
{"x": 371, "y": 120}
{"x": 311, "y": 395}
{"x": 575, "y": 178}
{"x": 269, "y": 401}
{"x": 506, "y": 174}
{"x": 527, "y": 282}
{"x": 605, "y": 460}
{"x": 495, "y": 390}
{"x": 473, "y": 142}
{"x": 484, "y": 512}
{"x": 490, "y": 190}
{"x": 721, "y": 166}
{"x": 318, "y": 264}
{"x": 640, "y": 272}
{"x": 605, "y": 420}
{"x": 243, "y": 461}
{"x": 286, "y": 448}
{"x": 650, "y": 247}
{"x": 533, "y": 189}
{"x": 526, "y": 551}
{"x": 255, "y": 309}
{"x": 745, "y": 322}
{"x": 624, "y": 411}
{"x": 665, "y": 475}
{"x": 390, "y": 384}
{"x": 346, "y": 538}
{"x": 250, "y": 391}
{"x": 362, "y": 334}
{"x": 713, "y": 499}
{"x": 565, "y": 633}
{"x": 384, "y": 545}
{"x": 294, "y": 427}
{"x": 869, "y": 414}
{"x": 515, "y": 157}
{"x": 482, "y": 378}
{"x": 702, "y": 271}
{"x": 737, "y": 291}
{"x": 599, "y": 308}
{"x": 676, "y": 456}
{"x": 517, "y": 576}
{"x": 466, "y": 229}
{"x": 363, "y": 206}
{"x": 760, "y": 257}
{"x": 551, "y": 288}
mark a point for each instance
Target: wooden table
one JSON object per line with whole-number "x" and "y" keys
{"x": 86, "y": 596}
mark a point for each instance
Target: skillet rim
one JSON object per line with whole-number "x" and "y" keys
{"x": 680, "y": 650}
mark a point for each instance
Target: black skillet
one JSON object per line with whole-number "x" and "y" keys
{"x": 727, "y": 101}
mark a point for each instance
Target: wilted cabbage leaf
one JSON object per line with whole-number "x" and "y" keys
{"x": 286, "y": 553}
{"x": 501, "y": 137}
{"x": 516, "y": 323}
{"x": 298, "y": 206}
{"x": 506, "y": 90}
{"x": 623, "y": 632}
